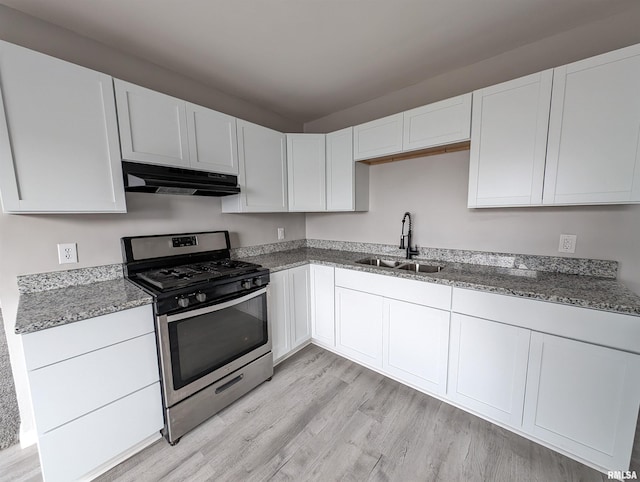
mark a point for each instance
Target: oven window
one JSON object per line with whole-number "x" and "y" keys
{"x": 204, "y": 343}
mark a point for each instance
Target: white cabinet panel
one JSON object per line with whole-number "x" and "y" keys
{"x": 594, "y": 133}
{"x": 359, "y": 326}
{"x": 306, "y": 166}
{"x": 508, "y": 142}
{"x": 262, "y": 171}
{"x": 59, "y": 147}
{"x": 347, "y": 181}
{"x": 67, "y": 390}
{"x": 416, "y": 341}
{"x": 436, "y": 124}
{"x": 279, "y": 314}
{"x": 300, "y": 312}
{"x": 84, "y": 444}
{"x": 583, "y": 398}
{"x": 153, "y": 126}
{"x": 322, "y": 304}
{"x": 378, "y": 138}
{"x": 488, "y": 367}
{"x": 213, "y": 144}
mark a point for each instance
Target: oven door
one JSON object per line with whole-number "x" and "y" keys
{"x": 203, "y": 345}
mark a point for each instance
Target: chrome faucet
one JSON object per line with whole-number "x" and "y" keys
{"x": 410, "y": 251}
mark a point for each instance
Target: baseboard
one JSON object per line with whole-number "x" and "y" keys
{"x": 292, "y": 352}
{"x": 28, "y": 438}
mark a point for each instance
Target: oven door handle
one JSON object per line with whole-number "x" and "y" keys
{"x": 216, "y": 307}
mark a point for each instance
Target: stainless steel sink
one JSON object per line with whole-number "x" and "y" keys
{"x": 385, "y": 263}
{"x": 420, "y": 268}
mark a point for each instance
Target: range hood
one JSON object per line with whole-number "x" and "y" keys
{"x": 173, "y": 180}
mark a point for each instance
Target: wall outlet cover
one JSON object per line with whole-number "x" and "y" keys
{"x": 567, "y": 243}
{"x": 280, "y": 234}
{"x": 67, "y": 253}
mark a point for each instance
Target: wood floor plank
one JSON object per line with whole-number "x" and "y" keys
{"x": 325, "y": 418}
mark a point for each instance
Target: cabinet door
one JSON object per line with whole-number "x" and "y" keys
{"x": 436, "y": 124}
{"x": 359, "y": 326}
{"x": 300, "y": 316}
{"x": 262, "y": 171}
{"x": 279, "y": 317}
{"x": 488, "y": 367}
{"x": 378, "y": 138}
{"x": 583, "y": 398}
{"x": 213, "y": 144}
{"x": 322, "y": 304}
{"x": 58, "y": 136}
{"x": 509, "y": 141}
{"x": 306, "y": 166}
{"x": 416, "y": 344}
{"x": 153, "y": 126}
{"x": 340, "y": 171}
{"x": 594, "y": 132}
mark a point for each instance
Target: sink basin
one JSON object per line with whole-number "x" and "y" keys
{"x": 384, "y": 263}
{"x": 420, "y": 268}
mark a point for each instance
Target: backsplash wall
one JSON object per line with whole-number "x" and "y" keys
{"x": 28, "y": 245}
{"x": 434, "y": 190}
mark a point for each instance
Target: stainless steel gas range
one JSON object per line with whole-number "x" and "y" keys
{"x": 211, "y": 322}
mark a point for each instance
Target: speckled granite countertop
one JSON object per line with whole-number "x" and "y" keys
{"x": 587, "y": 291}
{"x": 38, "y": 310}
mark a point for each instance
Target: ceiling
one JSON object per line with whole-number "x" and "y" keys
{"x": 305, "y": 59}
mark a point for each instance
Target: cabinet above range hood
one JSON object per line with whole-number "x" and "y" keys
{"x": 173, "y": 180}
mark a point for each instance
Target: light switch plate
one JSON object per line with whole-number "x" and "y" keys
{"x": 567, "y": 243}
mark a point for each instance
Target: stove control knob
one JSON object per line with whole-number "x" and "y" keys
{"x": 183, "y": 302}
{"x": 201, "y": 297}
{"x": 257, "y": 281}
{"x": 246, "y": 284}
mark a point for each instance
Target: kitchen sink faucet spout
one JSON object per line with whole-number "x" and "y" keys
{"x": 410, "y": 251}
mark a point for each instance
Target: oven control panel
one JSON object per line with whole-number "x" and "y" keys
{"x": 182, "y": 241}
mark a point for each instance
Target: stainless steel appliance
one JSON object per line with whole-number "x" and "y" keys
{"x": 211, "y": 322}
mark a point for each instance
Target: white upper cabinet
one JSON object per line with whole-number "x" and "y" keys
{"x": 436, "y": 124}
{"x": 377, "y": 138}
{"x": 262, "y": 162}
{"x": 347, "y": 181}
{"x": 153, "y": 126}
{"x": 213, "y": 144}
{"x": 156, "y": 128}
{"x": 306, "y": 166}
{"x": 594, "y": 133}
{"x": 58, "y": 136}
{"x": 508, "y": 142}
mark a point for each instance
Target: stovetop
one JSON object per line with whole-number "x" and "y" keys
{"x": 176, "y": 277}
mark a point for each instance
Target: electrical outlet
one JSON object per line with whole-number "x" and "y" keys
{"x": 567, "y": 243}
{"x": 67, "y": 253}
{"x": 280, "y": 234}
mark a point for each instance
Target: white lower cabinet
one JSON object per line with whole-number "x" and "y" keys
{"x": 95, "y": 392}
{"x": 289, "y": 310}
{"x": 359, "y": 326}
{"x": 415, "y": 345}
{"x": 488, "y": 367}
{"x": 583, "y": 399}
{"x": 322, "y": 304}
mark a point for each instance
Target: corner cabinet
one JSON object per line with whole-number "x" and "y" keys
{"x": 156, "y": 128}
{"x": 347, "y": 181}
{"x": 59, "y": 149}
{"x": 306, "y": 166}
{"x": 509, "y": 142}
{"x": 262, "y": 173}
{"x": 594, "y": 134}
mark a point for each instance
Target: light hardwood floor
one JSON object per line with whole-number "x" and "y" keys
{"x": 325, "y": 418}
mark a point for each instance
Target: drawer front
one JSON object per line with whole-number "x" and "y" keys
{"x": 67, "y": 390}
{"x": 81, "y": 446}
{"x": 419, "y": 292}
{"x": 600, "y": 327}
{"x": 62, "y": 342}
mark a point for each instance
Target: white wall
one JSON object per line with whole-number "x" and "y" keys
{"x": 434, "y": 190}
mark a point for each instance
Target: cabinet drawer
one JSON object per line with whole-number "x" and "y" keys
{"x": 56, "y": 344}
{"x": 67, "y": 390}
{"x": 419, "y": 292}
{"x": 81, "y": 446}
{"x": 600, "y": 327}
